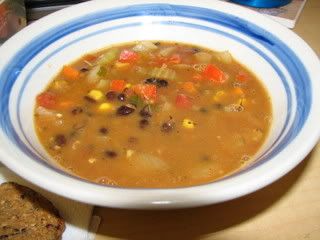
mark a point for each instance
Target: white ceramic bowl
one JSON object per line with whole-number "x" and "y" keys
{"x": 287, "y": 66}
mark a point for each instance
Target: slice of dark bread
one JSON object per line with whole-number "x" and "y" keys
{"x": 27, "y": 215}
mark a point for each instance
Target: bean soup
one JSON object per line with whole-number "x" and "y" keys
{"x": 153, "y": 114}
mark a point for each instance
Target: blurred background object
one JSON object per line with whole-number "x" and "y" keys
{"x": 263, "y": 3}
{"x": 12, "y": 18}
{"x": 39, "y": 8}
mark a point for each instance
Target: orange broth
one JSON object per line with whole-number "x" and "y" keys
{"x": 153, "y": 114}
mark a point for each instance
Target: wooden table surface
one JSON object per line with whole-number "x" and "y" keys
{"x": 287, "y": 209}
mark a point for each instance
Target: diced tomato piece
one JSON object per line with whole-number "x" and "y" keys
{"x": 174, "y": 59}
{"x": 183, "y": 101}
{"x": 146, "y": 91}
{"x": 214, "y": 74}
{"x": 47, "y": 100}
{"x": 242, "y": 77}
{"x": 117, "y": 85}
{"x": 127, "y": 56}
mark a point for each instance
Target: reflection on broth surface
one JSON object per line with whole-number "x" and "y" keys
{"x": 153, "y": 114}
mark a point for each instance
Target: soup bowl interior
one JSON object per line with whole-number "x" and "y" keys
{"x": 286, "y": 69}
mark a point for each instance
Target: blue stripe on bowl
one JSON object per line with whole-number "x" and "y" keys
{"x": 293, "y": 64}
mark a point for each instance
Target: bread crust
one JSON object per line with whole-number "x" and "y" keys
{"x": 26, "y": 214}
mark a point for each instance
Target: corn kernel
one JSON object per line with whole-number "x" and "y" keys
{"x": 187, "y": 123}
{"x": 96, "y": 95}
{"x": 218, "y": 96}
{"x": 128, "y": 85}
{"x": 92, "y": 160}
{"x": 242, "y": 101}
{"x": 105, "y": 107}
{"x": 129, "y": 153}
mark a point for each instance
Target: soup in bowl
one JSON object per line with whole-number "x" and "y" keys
{"x": 153, "y": 114}
{"x": 152, "y": 105}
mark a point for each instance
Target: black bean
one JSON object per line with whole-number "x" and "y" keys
{"x": 143, "y": 123}
{"x": 84, "y": 70}
{"x": 103, "y": 130}
{"x": 151, "y": 81}
{"x": 156, "y": 81}
{"x": 206, "y": 158}
{"x": 60, "y": 140}
{"x": 111, "y": 95}
{"x": 89, "y": 99}
{"x": 162, "y": 83}
{"x": 132, "y": 140}
{"x": 168, "y": 126}
{"x": 111, "y": 154}
{"x": 203, "y": 110}
{"x": 157, "y": 43}
{"x": 76, "y": 110}
{"x": 125, "y": 110}
{"x": 195, "y": 50}
{"x": 218, "y": 106}
{"x": 146, "y": 111}
{"x": 122, "y": 97}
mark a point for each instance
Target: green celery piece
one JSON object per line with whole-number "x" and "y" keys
{"x": 109, "y": 56}
{"x": 102, "y": 72}
{"x": 136, "y": 100}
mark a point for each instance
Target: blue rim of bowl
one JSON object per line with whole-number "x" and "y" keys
{"x": 288, "y": 58}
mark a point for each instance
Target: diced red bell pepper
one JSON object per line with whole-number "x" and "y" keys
{"x": 117, "y": 85}
{"x": 174, "y": 59}
{"x": 127, "y": 56}
{"x": 146, "y": 91}
{"x": 70, "y": 73}
{"x": 214, "y": 74}
{"x": 47, "y": 100}
{"x": 183, "y": 101}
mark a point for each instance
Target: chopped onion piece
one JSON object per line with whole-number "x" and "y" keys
{"x": 163, "y": 73}
{"x": 45, "y": 112}
{"x": 109, "y": 56}
{"x": 167, "y": 106}
{"x": 93, "y": 76}
{"x": 102, "y": 84}
{"x": 144, "y": 46}
{"x": 203, "y": 57}
{"x": 165, "y": 52}
{"x": 224, "y": 57}
{"x": 145, "y": 161}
